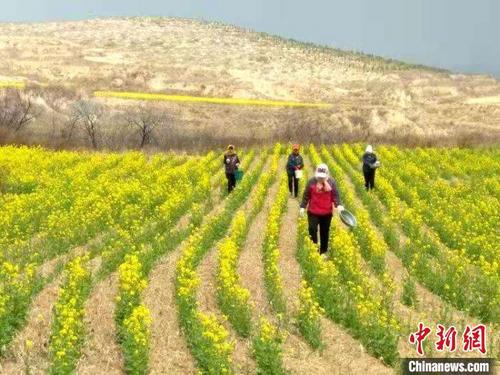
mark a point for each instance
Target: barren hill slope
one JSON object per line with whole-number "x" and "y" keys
{"x": 370, "y": 96}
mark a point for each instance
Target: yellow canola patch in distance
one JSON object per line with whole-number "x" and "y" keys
{"x": 200, "y": 99}
{"x": 14, "y": 84}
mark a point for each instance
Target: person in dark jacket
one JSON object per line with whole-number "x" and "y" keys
{"x": 295, "y": 162}
{"x": 231, "y": 163}
{"x": 320, "y": 197}
{"x": 369, "y": 167}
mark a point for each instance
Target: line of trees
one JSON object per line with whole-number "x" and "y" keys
{"x": 58, "y": 119}
{"x": 89, "y": 116}
{"x": 82, "y": 117}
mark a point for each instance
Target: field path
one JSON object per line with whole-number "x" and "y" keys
{"x": 101, "y": 351}
{"x": 250, "y": 265}
{"x": 206, "y": 296}
{"x": 38, "y": 319}
{"x": 169, "y": 351}
{"x": 37, "y": 329}
{"x": 290, "y": 268}
{"x": 342, "y": 354}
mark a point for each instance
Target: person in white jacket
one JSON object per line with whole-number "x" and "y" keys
{"x": 369, "y": 166}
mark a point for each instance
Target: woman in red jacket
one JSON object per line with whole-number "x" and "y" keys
{"x": 320, "y": 197}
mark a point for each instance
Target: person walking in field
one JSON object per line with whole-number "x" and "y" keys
{"x": 231, "y": 163}
{"x": 320, "y": 197}
{"x": 370, "y": 164}
{"x": 295, "y": 163}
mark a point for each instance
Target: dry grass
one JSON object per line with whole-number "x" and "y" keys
{"x": 101, "y": 353}
{"x": 20, "y": 359}
{"x": 372, "y": 99}
{"x": 289, "y": 266}
{"x": 169, "y": 352}
{"x": 250, "y": 265}
{"x": 341, "y": 353}
{"x": 49, "y": 267}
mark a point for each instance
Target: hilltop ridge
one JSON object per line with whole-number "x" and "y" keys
{"x": 369, "y": 96}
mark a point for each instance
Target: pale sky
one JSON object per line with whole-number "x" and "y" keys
{"x": 461, "y": 35}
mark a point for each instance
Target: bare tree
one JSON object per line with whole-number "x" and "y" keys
{"x": 146, "y": 119}
{"x": 87, "y": 114}
{"x": 15, "y": 111}
{"x": 69, "y": 126}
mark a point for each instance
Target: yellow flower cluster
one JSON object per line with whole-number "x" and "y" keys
{"x": 271, "y": 251}
{"x": 442, "y": 198}
{"x": 200, "y": 99}
{"x": 267, "y": 348}
{"x": 132, "y": 282}
{"x": 373, "y": 249}
{"x": 464, "y": 212}
{"x": 138, "y": 325}
{"x": 15, "y": 84}
{"x": 233, "y": 298}
{"x": 309, "y": 315}
{"x": 217, "y": 341}
{"x": 68, "y": 326}
{"x": 308, "y": 305}
{"x": 408, "y": 183}
{"x": 133, "y": 317}
{"x": 71, "y": 197}
{"x": 210, "y": 358}
{"x": 136, "y": 333}
{"x": 56, "y": 200}
{"x": 191, "y": 187}
{"x": 16, "y": 284}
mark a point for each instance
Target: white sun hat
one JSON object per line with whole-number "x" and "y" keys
{"x": 321, "y": 171}
{"x": 369, "y": 149}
